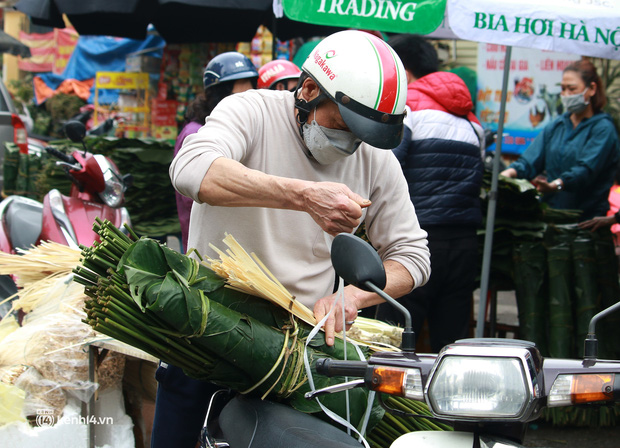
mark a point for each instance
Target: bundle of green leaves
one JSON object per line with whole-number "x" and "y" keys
{"x": 178, "y": 310}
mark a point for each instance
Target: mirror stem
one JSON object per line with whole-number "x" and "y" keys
{"x": 591, "y": 343}
{"x": 408, "y": 341}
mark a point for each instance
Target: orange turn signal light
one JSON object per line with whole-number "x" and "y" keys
{"x": 592, "y": 387}
{"x": 388, "y": 380}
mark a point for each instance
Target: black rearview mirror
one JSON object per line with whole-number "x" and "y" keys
{"x": 75, "y": 131}
{"x": 357, "y": 262}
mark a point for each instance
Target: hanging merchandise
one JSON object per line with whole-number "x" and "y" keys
{"x": 180, "y": 78}
{"x": 261, "y": 50}
{"x": 163, "y": 119}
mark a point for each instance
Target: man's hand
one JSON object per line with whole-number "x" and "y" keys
{"x": 399, "y": 283}
{"x": 334, "y": 323}
{"x": 509, "y": 172}
{"x": 334, "y": 206}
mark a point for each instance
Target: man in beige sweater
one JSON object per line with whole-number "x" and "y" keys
{"x": 278, "y": 170}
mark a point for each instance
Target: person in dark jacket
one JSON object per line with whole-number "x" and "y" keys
{"x": 442, "y": 159}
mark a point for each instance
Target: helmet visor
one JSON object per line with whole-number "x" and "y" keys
{"x": 374, "y": 127}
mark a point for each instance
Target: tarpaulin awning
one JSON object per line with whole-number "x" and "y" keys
{"x": 46, "y": 86}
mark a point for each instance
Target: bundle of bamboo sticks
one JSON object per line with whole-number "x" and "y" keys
{"x": 247, "y": 273}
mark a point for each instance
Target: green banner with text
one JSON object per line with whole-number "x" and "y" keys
{"x": 421, "y": 17}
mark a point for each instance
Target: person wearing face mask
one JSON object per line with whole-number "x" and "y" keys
{"x": 181, "y": 401}
{"x": 579, "y": 151}
{"x": 283, "y": 172}
{"x": 278, "y": 170}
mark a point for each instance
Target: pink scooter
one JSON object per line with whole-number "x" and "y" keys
{"x": 97, "y": 191}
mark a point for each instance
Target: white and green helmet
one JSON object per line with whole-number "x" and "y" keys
{"x": 364, "y": 76}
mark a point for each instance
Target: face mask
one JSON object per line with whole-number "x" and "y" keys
{"x": 328, "y": 145}
{"x": 575, "y": 103}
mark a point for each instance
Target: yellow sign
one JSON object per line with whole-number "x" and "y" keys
{"x": 121, "y": 80}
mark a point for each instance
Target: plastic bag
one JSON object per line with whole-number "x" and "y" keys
{"x": 43, "y": 396}
{"x": 53, "y": 344}
{"x": 8, "y": 325}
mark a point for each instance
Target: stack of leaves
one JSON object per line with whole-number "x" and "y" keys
{"x": 561, "y": 275}
{"x": 150, "y": 201}
{"x": 21, "y": 171}
{"x": 180, "y": 311}
{"x": 518, "y": 217}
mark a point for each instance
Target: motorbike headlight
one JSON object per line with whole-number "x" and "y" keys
{"x": 482, "y": 383}
{"x": 113, "y": 192}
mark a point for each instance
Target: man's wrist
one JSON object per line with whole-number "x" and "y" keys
{"x": 559, "y": 185}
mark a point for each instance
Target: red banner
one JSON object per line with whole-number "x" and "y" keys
{"x": 50, "y": 51}
{"x": 66, "y": 40}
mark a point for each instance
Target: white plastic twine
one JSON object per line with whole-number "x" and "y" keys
{"x": 313, "y": 333}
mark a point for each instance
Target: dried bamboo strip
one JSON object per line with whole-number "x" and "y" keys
{"x": 38, "y": 262}
{"x": 247, "y": 273}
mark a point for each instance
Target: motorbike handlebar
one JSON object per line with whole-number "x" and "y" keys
{"x": 60, "y": 155}
{"x": 332, "y": 367}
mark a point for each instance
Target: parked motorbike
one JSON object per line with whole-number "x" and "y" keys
{"x": 489, "y": 390}
{"x": 97, "y": 190}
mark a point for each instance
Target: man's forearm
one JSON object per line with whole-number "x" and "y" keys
{"x": 333, "y": 206}
{"x": 228, "y": 183}
{"x": 399, "y": 282}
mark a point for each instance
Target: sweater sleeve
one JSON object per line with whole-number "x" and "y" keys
{"x": 392, "y": 225}
{"x": 226, "y": 133}
{"x": 532, "y": 161}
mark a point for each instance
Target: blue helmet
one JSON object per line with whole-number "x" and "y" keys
{"x": 228, "y": 66}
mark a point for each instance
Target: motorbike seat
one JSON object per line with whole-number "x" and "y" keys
{"x": 23, "y": 220}
{"x": 254, "y": 423}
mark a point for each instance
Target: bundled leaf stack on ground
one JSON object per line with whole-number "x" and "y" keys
{"x": 561, "y": 275}
{"x": 180, "y": 311}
